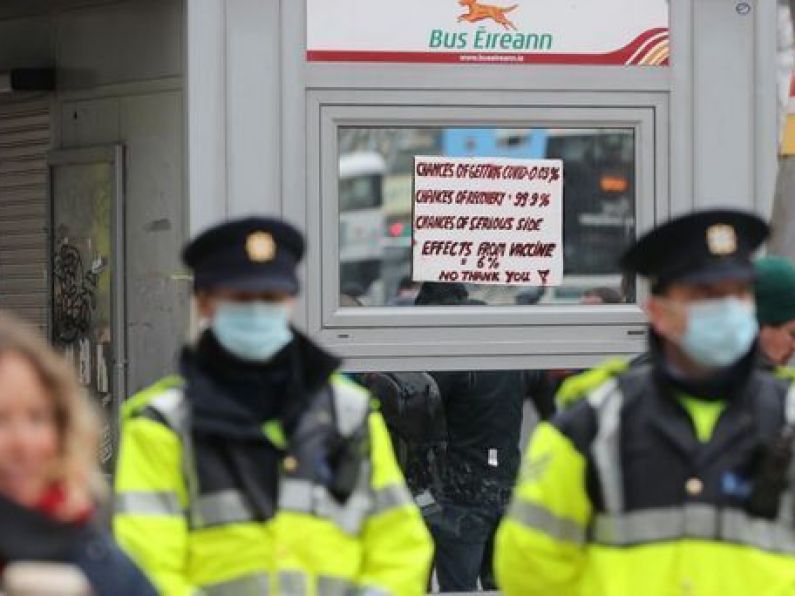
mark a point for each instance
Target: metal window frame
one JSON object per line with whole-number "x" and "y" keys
{"x": 444, "y": 337}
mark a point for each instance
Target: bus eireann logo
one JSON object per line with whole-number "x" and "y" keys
{"x": 479, "y": 12}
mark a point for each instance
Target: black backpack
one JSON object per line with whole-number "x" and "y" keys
{"x": 414, "y": 413}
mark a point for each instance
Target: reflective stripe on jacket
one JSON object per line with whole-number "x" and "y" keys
{"x": 190, "y": 543}
{"x": 604, "y": 505}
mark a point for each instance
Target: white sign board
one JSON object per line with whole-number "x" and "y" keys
{"x": 488, "y": 221}
{"x": 627, "y": 32}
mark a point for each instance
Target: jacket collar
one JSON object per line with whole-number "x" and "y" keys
{"x": 735, "y": 385}
{"x": 725, "y": 384}
{"x": 233, "y": 398}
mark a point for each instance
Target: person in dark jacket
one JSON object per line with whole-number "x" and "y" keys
{"x": 33, "y": 535}
{"x": 50, "y": 483}
{"x": 483, "y": 411}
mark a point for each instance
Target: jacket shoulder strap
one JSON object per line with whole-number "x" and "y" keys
{"x": 172, "y": 407}
{"x": 163, "y": 402}
{"x": 607, "y": 401}
{"x": 138, "y": 402}
{"x": 351, "y": 405}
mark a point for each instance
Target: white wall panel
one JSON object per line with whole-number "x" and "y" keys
{"x": 206, "y": 104}
{"x": 253, "y": 106}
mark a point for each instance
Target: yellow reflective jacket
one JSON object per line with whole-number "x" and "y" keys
{"x": 375, "y": 543}
{"x": 559, "y": 539}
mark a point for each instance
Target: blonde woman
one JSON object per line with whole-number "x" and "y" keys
{"x": 50, "y": 483}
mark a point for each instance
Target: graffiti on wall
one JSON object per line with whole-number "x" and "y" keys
{"x": 74, "y": 293}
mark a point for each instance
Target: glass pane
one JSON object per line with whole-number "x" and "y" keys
{"x": 375, "y": 220}
{"x": 82, "y": 280}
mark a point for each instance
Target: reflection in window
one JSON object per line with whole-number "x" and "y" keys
{"x": 375, "y": 196}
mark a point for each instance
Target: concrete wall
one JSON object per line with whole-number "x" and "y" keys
{"x": 25, "y": 41}
{"x": 120, "y": 80}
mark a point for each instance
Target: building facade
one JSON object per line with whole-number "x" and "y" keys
{"x": 168, "y": 115}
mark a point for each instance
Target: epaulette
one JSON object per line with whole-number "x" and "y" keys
{"x": 140, "y": 400}
{"x": 577, "y": 387}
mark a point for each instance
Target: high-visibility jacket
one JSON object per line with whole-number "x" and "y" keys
{"x": 190, "y": 542}
{"x": 619, "y": 497}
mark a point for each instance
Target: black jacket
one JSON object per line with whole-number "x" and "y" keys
{"x": 30, "y": 536}
{"x": 231, "y": 400}
{"x": 484, "y": 419}
{"x": 657, "y": 444}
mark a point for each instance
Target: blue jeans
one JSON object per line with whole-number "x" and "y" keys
{"x": 464, "y": 537}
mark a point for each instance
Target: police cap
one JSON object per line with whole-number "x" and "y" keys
{"x": 256, "y": 254}
{"x": 702, "y": 247}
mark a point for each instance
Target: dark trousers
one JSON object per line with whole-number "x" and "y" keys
{"x": 464, "y": 537}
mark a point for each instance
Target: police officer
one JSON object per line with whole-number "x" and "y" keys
{"x": 774, "y": 293}
{"x": 671, "y": 478}
{"x": 260, "y": 469}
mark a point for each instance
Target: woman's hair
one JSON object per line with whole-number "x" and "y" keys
{"x": 77, "y": 422}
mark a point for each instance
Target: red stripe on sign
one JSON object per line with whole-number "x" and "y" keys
{"x": 620, "y": 56}
{"x": 652, "y": 45}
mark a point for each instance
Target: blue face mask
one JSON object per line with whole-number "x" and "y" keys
{"x": 719, "y": 332}
{"x": 252, "y": 331}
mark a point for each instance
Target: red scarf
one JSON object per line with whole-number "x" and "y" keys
{"x": 52, "y": 504}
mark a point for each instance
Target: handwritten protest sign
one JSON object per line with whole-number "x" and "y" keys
{"x": 488, "y": 221}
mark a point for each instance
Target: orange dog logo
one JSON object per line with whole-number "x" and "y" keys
{"x": 479, "y": 12}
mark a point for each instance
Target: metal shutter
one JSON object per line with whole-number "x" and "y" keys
{"x": 24, "y": 143}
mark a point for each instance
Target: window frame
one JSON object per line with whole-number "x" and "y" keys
{"x": 493, "y": 336}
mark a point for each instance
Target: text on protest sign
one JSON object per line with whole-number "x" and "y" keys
{"x": 488, "y": 221}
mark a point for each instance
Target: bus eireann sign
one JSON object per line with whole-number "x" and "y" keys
{"x": 609, "y": 32}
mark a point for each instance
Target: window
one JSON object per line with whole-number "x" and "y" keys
{"x": 358, "y": 216}
{"x": 375, "y": 216}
